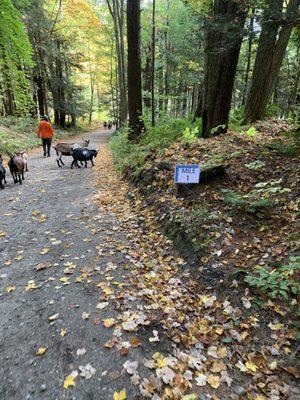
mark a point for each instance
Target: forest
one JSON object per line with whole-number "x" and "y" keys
{"x": 216, "y": 62}
{"x": 163, "y": 261}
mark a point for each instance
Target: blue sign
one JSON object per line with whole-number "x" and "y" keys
{"x": 187, "y": 173}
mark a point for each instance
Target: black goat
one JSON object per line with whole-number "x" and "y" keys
{"x": 2, "y": 173}
{"x": 84, "y": 155}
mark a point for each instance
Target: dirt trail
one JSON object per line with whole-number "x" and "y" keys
{"x": 53, "y": 213}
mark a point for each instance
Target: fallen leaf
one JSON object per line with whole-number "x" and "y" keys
{"x": 81, "y": 352}
{"x": 85, "y": 315}
{"x": 87, "y": 371}
{"x": 63, "y": 332}
{"x": 41, "y": 351}
{"x": 31, "y": 286}
{"x": 53, "y": 317}
{"x": 109, "y": 322}
{"x": 214, "y": 381}
{"x": 120, "y": 395}
{"x": 9, "y": 289}
{"x": 70, "y": 380}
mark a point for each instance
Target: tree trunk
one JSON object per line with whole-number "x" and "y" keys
{"x": 223, "y": 39}
{"x": 147, "y": 80}
{"x": 153, "y": 66}
{"x": 136, "y": 124}
{"x": 273, "y": 41}
{"x": 116, "y": 11}
{"x": 198, "y": 110}
{"x": 249, "y": 54}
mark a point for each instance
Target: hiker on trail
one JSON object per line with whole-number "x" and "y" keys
{"x": 45, "y": 132}
{"x": 104, "y": 124}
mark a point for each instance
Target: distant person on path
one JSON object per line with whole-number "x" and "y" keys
{"x": 104, "y": 124}
{"x": 45, "y": 132}
{"x": 109, "y": 125}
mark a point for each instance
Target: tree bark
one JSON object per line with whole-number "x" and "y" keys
{"x": 136, "y": 124}
{"x": 249, "y": 54}
{"x": 223, "y": 39}
{"x": 273, "y": 41}
{"x": 116, "y": 11}
{"x": 147, "y": 76}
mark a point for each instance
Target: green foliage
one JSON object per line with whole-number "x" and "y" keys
{"x": 286, "y": 149}
{"x": 15, "y": 57}
{"x": 255, "y": 165}
{"x": 261, "y": 198}
{"x": 279, "y": 282}
{"x": 252, "y": 131}
{"x": 167, "y": 131}
{"x": 125, "y": 153}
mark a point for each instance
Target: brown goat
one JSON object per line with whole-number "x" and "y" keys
{"x": 65, "y": 149}
{"x": 17, "y": 166}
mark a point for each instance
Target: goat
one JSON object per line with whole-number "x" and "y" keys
{"x": 17, "y": 166}
{"x": 84, "y": 155}
{"x": 2, "y": 173}
{"x": 24, "y": 155}
{"x": 64, "y": 149}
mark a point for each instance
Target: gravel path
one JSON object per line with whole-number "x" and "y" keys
{"x": 52, "y": 218}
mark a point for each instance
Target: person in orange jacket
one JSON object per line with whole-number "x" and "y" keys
{"x": 45, "y": 132}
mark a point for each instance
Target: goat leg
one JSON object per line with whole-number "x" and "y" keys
{"x": 77, "y": 165}
{"x": 85, "y": 164}
{"x": 92, "y": 162}
{"x": 60, "y": 159}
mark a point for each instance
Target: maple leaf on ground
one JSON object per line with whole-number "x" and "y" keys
{"x": 70, "y": 379}
{"x": 120, "y": 395}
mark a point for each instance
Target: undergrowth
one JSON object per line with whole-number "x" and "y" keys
{"x": 280, "y": 282}
{"x": 167, "y": 131}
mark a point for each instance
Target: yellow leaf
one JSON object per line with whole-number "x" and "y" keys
{"x": 214, "y": 381}
{"x": 222, "y": 352}
{"x": 109, "y": 322}
{"x": 64, "y": 279}
{"x": 120, "y": 395}
{"x": 2, "y": 233}
{"x": 251, "y": 367}
{"x": 275, "y": 327}
{"x": 9, "y": 289}
{"x": 31, "y": 286}
{"x": 41, "y": 351}
{"x": 45, "y": 250}
{"x": 219, "y": 331}
{"x": 35, "y": 212}
{"x": 69, "y": 381}
{"x": 108, "y": 290}
{"x": 63, "y": 332}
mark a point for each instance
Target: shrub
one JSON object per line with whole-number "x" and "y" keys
{"x": 279, "y": 282}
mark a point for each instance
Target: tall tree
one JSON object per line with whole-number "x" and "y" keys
{"x": 15, "y": 58}
{"x": 116, "y": 9}
{"x": 135, "y": 108}
{"x": 223, "y": 39}
{"x": 153, "y": 65}
{"x": 276, "y": 31}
